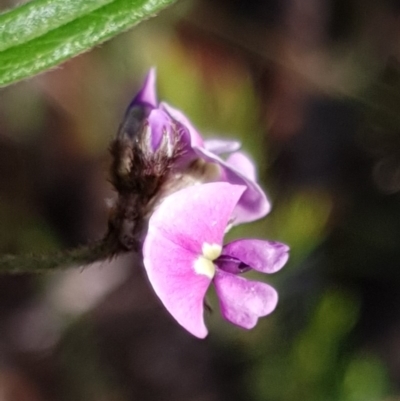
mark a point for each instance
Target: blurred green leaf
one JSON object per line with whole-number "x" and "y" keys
{"x": 43, "y": 33}
{"x": 365, "y": 380}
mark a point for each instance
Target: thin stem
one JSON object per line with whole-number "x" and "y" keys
{"x": 29, "y": 263}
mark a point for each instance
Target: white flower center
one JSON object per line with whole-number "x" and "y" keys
{"x": 204, "y": 263}
{"x": 211, "y": 251}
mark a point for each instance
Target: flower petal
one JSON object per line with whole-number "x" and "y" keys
{"x": 197, "y": 215}
{"x": 139, "y": 108}
{"x": 243, "y": 301}
{"x": 196, "y": 139}
{"x": 264, "y": 256}
{"x": 244, "y": 164}
{"x": 231, "y": 265}
{"x": 253, "y": 204}
{"x": 159, "y": 123}
{"x": 170, "y": 271}
{"x": 218, "y": 146}
{"x": 147, "y": 94}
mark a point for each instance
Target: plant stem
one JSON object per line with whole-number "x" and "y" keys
{"x": 30, "y": 263}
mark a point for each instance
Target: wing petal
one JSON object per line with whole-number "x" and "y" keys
{"x": 243, "y": 301}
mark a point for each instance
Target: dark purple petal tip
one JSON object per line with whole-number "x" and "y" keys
{"x": 264, "y": 256}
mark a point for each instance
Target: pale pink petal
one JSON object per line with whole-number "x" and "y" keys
{"x": 243, "y": 301}
{"x": 243, "y": 164}
{"x": 197, "y": 215}
{"x": 218, "y": 146}
{"x": 253, "y": 204}
{"x": 264, "y": 256}
{"x": 171, "y": 273}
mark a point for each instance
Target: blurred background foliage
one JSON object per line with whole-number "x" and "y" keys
{"x": 312, "y": 89}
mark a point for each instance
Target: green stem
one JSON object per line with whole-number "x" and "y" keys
{"x": 29, "y": 263}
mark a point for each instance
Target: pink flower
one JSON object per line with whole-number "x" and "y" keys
{"x": 168, "y": 125}
{"x": 236, "y": 169}
{"x": 184, "y": 253}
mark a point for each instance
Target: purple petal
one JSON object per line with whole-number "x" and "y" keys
{"x": 196, "y": 139}
{"x": 264, "y": 256}
{"x": 170, "y": 271}
{"x": 218, "y": 146}
{"x": 139, "y": 108}
{"x": 197, "y": 215}
{"x": 159, "y": 123}
{"x": 253, "y": 204}
{"x": 243, "y": 301}
{"x": 187, "y": 154}
{"x": 240, "y": 162}
{"x": 147, "y": 93}
{"x": 231, "y": 265}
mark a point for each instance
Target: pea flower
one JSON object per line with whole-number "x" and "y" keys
{"x": 184, "y": 253}
{"x": 167, "y": 124}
